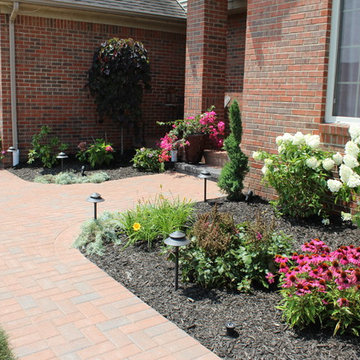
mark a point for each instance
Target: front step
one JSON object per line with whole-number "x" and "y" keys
{"x": 195, "y": 170}
{"x": 217, "y": 158}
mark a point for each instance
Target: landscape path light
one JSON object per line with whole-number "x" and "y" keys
{"x": 177, "y": 239}
{"x": 204, "y": 175}
{"x": 230, "y": 329}
{"x": 15, "y": 155}
{"x": 62, "y": 156}
{"x": 95, "y": 198}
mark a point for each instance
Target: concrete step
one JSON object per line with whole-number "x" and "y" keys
{"x": 195, "y": 170}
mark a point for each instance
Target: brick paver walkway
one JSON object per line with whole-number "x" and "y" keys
{"x": 54, "y": 303}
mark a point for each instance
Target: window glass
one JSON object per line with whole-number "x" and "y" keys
{"x": 347, "y": 83}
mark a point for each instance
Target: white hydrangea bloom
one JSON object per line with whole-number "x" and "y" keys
{"x": 328, "y": 164}
{"x": 354, "y": 131}
{"x": 346, "y": 216}
{"x": 279, "y": 140}
{"x": 257, "y": 155}
{"x": 313, "y": 141}
{"x": 334, "y": 185}
{"x": 350, "y": 161}
{"x": 287, "y": 137}
{"x": 337, "y": 158}
{"x": 268, "y": 162}
{"x": 298, "y": 138}
{"x": 345, "y": 172}
{"x": 325, "y": 222}
{"x": 264, "y": 169}
{"x": 354, "y": 181}
{"x": 312, "y": 163}
{"x": 352, "y": 149}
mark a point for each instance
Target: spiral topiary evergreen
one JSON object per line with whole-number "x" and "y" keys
{"x": 233, "y": 173}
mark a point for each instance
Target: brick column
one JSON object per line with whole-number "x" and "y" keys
{"x": 205, "y": 74}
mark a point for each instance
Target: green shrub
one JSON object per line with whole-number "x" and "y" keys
{"x": 220, "y": 255}
{"x": 321, "y": 288}
{"x": 5, "y": 352}
{"x": 96, "y": 233}
{"x": 151, "y": 220}
{"x": 96, "y": 154}
{"x": 44, "y": 148}
{"x": 233, "y": 173}
{"x": 148, "y": 160}
{"x": 65, "y": 178}
{"x": 299, "y": 174}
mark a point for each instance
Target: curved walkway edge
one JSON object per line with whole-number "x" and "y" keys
{"x": 55, "y": 304}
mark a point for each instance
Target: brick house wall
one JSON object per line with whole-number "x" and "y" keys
{"x": 52, "y": 59}
{"x": 286, "y": 61}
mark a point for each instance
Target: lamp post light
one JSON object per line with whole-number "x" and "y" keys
{"x": 177, "y": 239}
{"x": 95, "y": 198}
{"x": 15, "y": 155}
{"x": 230, "y": 329}
{"x": 62, "y": 156}
{"x": 83, "y": 171}
{"x": 204, "y": 175}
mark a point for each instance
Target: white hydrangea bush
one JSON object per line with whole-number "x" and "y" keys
{"x": 299, "y": 172}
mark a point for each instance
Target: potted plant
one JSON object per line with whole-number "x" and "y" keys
{"x": 190, "y": 134}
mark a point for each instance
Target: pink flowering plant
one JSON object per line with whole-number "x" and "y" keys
{"x": 96, "y": 154}
{"x": 321, "y": 287}
{"x": 206, "y": 124}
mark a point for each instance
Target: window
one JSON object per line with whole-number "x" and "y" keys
{"x": 343, "y": 97}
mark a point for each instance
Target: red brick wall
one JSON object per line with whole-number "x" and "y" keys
{"x": 286, "y": 61}
{"x": 52, "y": 59}
{"x": 235, "y": 59}
{"x": 205, "y": 56}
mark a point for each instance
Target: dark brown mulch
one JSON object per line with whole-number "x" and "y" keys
{"x": 120, "y": 169}
{"x": 203, "y": 313}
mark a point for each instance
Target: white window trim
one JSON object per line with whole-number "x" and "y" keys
{"x": 333, "y": 55}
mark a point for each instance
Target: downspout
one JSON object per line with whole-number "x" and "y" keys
{"x": 13, "y": 76}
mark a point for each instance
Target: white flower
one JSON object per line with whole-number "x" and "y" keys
{"x": 328, "y": 164}
{"x": 354, "y": 131}
{"x": 350, "y": 161}
{"x": 287, "y": 137}
{"x": 279, "y": 140}
{"x": 298, "y": 138}
{"x": 354, "y": 181}
{"x": 337, "y": 158}
{"x": 325, "y": 221}
{"x": 352, "y": 149}
{"x": 313, "y": 141}
{"x": 346, "y": 216}
{"x": 257, "y": 155}
{"x": 281, "y": 149}
{"x": 312, "y": 163}
{"x": 264, "y": 169}
{"x": 334, "y": 185}
{"x": 345, "y": 172}
{"x": 268, "y": 162}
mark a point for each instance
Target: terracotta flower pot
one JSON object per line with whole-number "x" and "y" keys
{"x": 194, "y": 151}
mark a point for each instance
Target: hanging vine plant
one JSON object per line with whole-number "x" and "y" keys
{"x": 119, "y": 72}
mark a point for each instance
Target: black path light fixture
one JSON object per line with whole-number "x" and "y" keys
{"x": 230, "y": 329}
{"x": 62, "y": 156}
{"x": 95, "y": 198}
{"x": 205, "y": 175}
{"x": 177, "y": 239}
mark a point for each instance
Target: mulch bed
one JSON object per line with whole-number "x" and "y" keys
{"x": 261, "y": 333}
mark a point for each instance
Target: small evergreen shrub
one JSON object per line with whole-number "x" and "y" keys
{"x": 233, "y": 173}
{"x": 5, "y": 351}
{"x": 44, "y": 148}
{"x": 148, "y": 160}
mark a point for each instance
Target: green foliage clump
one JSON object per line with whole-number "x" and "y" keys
{"x": 5, "y": 351}
{"x": 299, "y": 174}
{"x": 65, "y": 178}
{"x": 233, "y": 173}
{"x": 44, "y": 148}
{"x": 155, "y": 219}
{"x": 222, "y": 255}
{"x": 148, "y": 160}
{"x": 119, "y": 72}
{"x": 96, "y": 154}
{"x": 96, "y": 233}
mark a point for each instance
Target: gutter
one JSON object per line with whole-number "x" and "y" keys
{"x": 13, "y": 74}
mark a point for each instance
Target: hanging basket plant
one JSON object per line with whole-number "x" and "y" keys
{"x": 119, "y": 72}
